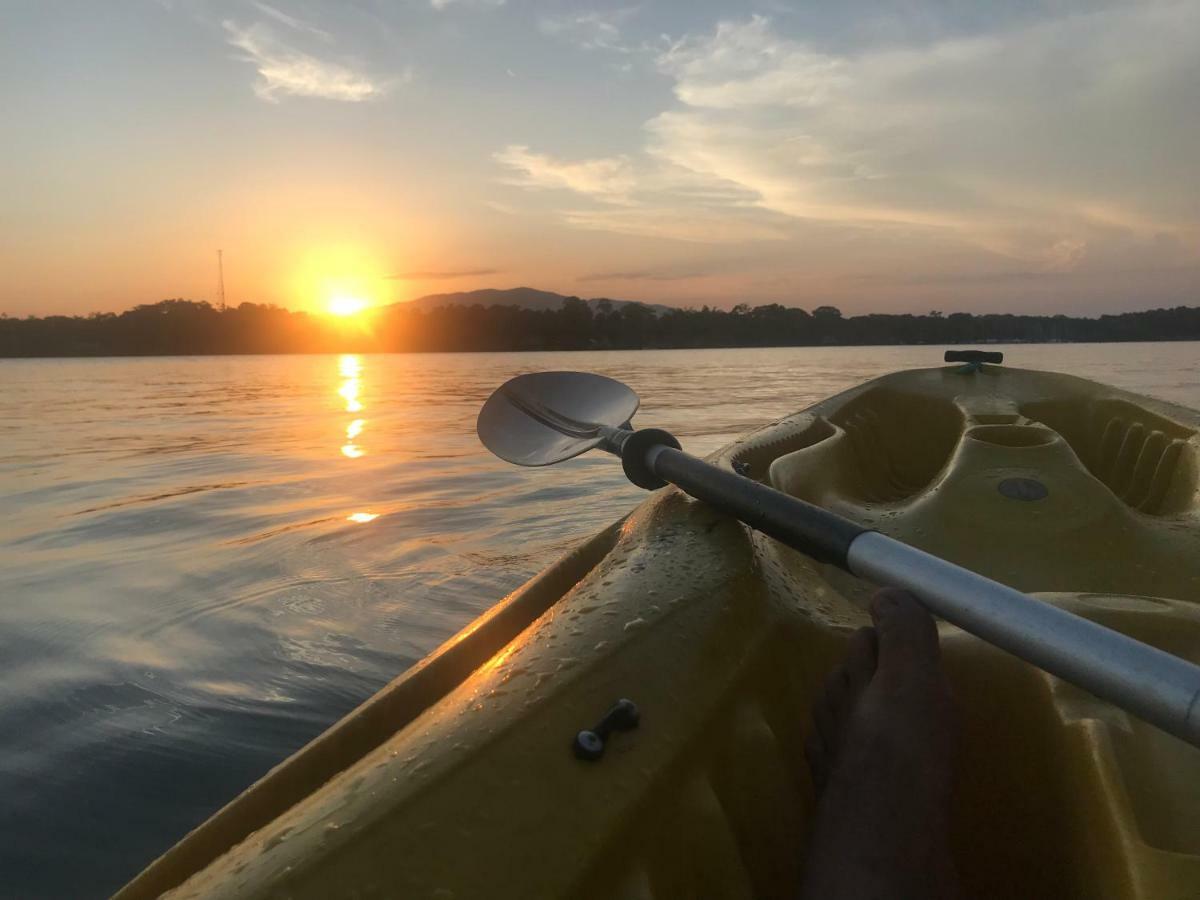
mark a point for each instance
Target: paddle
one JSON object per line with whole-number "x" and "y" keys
{"x": 547, "y": 417}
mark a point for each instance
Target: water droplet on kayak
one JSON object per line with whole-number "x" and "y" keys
{"x": 276, "y": 839}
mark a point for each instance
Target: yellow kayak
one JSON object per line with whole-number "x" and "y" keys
{"x": 464, "y": 778}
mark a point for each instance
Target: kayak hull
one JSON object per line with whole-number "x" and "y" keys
{"x": 458, "y": 780}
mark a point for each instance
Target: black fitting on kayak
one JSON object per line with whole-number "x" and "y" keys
{"x": 633, "y": 456}
{"x": 974, "y": 359}
{"x": 589, "y": 743}
{"x": 974, "y": 356}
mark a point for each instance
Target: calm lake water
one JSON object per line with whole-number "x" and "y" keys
{"x": 204, "y": 562}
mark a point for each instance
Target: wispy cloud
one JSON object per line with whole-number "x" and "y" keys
{"x": 643, "y": 275}
{"x": 596, "y": 30}
{"x": 609, "y": 179}
{"x": 1055, "y": 142}
{"x": 284, "y": 71}
{"x": 505, "y": 209}
{"x": 445, "y": 275}
{"x": 1008, "y": 141}
{"x": 291, "y": 21}
{"x": 443, "y": 4}
{"x": 744, "y": 64}
{"x": 1019, "y": 276}
{"x": 695, "y": 225}
{"x": 662, "y": 201}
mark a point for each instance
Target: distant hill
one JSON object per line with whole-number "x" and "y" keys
{"x": 523, "y": 297}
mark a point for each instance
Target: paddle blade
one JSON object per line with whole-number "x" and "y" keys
{"x": 545, "y": 417}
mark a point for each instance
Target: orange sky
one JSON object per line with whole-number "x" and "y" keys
{"x": 1032, "y": 157}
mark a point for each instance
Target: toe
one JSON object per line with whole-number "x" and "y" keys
{"x": 907, "y": 635}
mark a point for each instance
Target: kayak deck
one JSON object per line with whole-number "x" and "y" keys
{"x": 458, "y": 779}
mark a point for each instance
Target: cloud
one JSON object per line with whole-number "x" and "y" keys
{"x": 1017, "y": 276}
{"x": 644, "y": 203}
{"x": 290, "y": 21}
{"x": 591, "y": 30}
{"x": 643, "y": 275}
{"x": 1013, "y": 140}
{"x": 506, "y": 209}
{"x": 287, "y": 72}
{"x": 609, "y": 179}
{"x": 669, "y": 222}
{"x": 442, "y": 275}
{"x": 443, "y": 4}
{"x": 1058, "y": 141}
{"x": 744, "y": 65}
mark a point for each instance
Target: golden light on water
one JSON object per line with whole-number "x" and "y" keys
{"x": 353, "y": 430}
{"x": 350, "y": 369}
{"x": 349, "y": 393}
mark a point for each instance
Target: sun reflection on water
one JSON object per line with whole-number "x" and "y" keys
{"x": 349, "y": 392}
{"x": 350, "y": 368}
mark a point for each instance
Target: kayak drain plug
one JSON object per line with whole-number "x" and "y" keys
{"x": 589, "y": 743}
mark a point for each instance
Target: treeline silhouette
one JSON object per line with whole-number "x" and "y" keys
{"x": 185, "y": 327}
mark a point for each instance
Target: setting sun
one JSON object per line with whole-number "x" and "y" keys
{"x": 346, "y": 306}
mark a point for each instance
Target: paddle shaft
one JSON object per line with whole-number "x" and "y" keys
{"x": 1156, "y": 686}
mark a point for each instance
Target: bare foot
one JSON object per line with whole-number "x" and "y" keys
{"x": 881, "y": 757}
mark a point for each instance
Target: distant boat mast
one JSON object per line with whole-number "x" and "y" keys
{"x": 220, "y": 281}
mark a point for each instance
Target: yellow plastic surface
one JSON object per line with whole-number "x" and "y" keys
{"x": 457, "y": 781}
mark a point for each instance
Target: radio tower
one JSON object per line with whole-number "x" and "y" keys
{"x": 220, "y": 281}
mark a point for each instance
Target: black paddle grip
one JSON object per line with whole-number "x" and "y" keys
{"x": 633, "y": 456}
